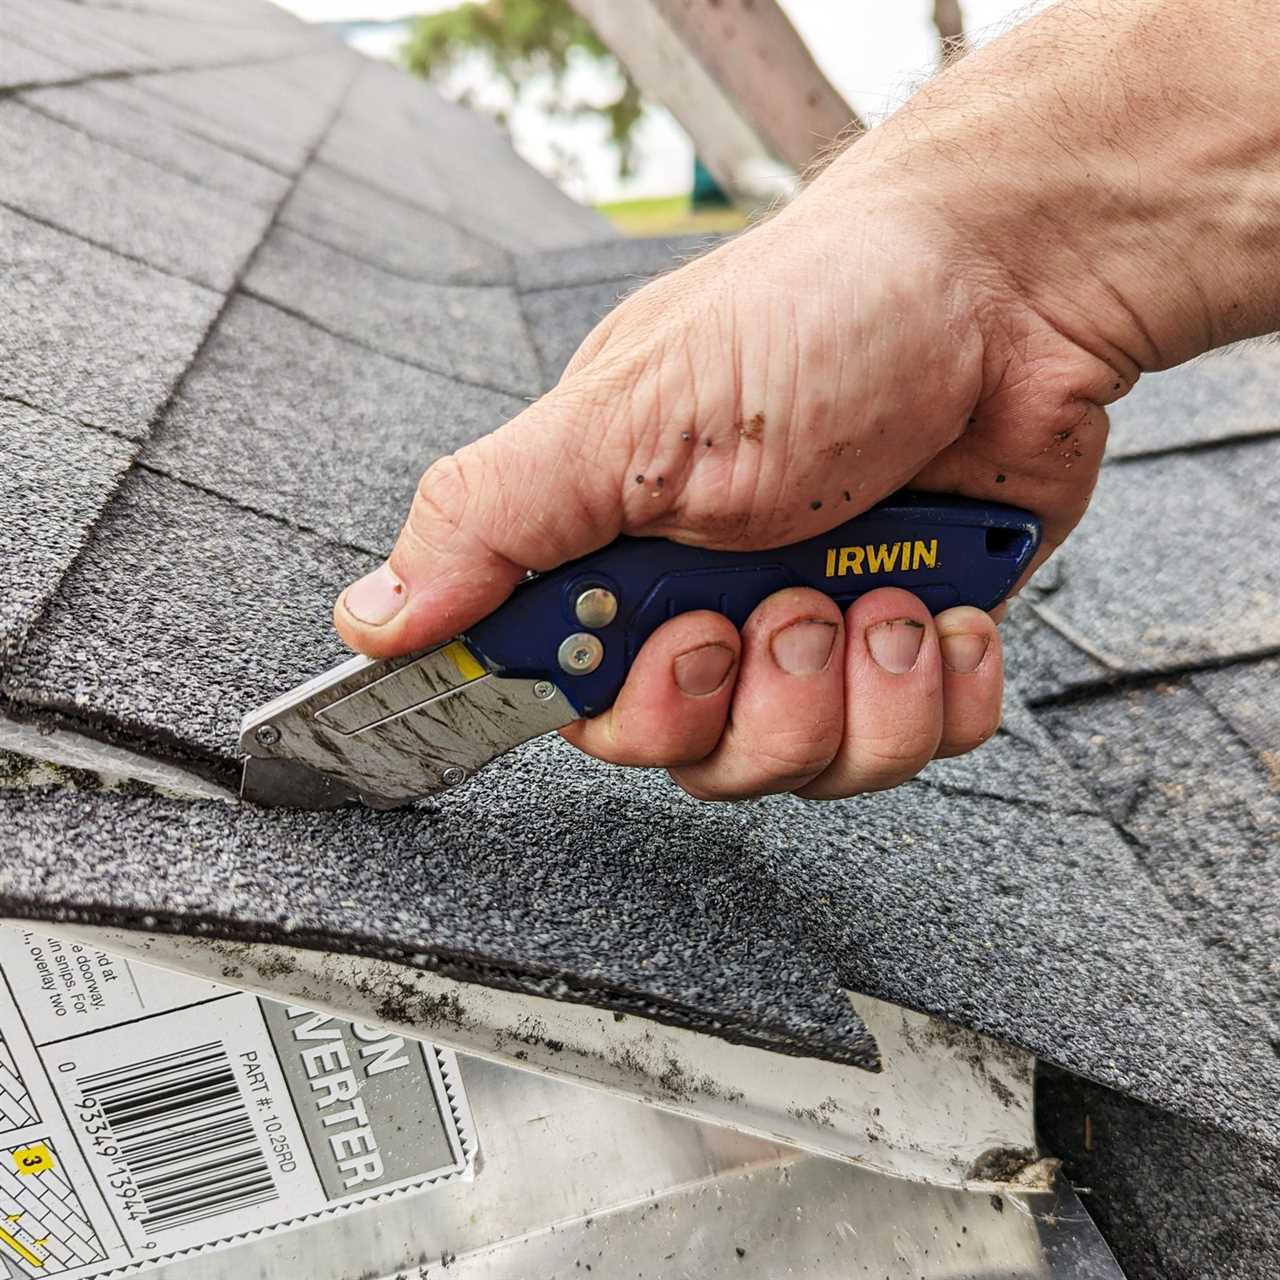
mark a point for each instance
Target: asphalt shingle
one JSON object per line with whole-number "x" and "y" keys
{"x": 474, "y": 333}
{"x": 1202, "y": 809}
{"x": 88, "y": 334}
{"x": 565, "y": 292}
{"x": 22, "y": 65}
{"x": 183, "y": 610}
{"x": 609, "y": 261}
{"x": 1148, "y": 584}
{"x": 554, "y": 869}
{"x": 389, "y": 232}
{"x": 114, "y": 199}
{"x": 111, "y": 111}
{"x": 57, "y": 35}
{"x": 559, "y": 319}
{"x": 257, "y": 110}
{"x": 55, "y": 477}
{"x": 426, "y": 891}
{"x": 287, "y": 419}
{"x": 1175, "y": 1200}
{"x": 383, "y": 139}
{"x": 1226, "y": 394}
{"x": 134, "y": 38}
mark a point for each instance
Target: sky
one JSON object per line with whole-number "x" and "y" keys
{"x": 873, "y": 52}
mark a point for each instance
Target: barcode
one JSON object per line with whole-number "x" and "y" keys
{"x": 184, "y": 1134}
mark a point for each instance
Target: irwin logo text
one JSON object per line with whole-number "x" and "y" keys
{"x": 882, "y": 557}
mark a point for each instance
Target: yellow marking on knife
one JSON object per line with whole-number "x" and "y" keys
{"x": 21, "y": 1249}
{"x": 469, "y": 666}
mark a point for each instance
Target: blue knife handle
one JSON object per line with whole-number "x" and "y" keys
{"x": 947, "y": 551}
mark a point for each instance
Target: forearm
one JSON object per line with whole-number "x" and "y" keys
{"x": 1118, "y": 161}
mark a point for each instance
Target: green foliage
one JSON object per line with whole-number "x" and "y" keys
{"x": 521, "y": 40}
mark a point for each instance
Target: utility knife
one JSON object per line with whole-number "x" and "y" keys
{"x": 385, "y": 732}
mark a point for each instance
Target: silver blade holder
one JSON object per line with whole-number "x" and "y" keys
{"x": 385, "y": 732}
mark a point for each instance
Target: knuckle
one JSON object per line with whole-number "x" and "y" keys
{"x": 440, "y": 502}
{"x": 878, "y": 766}
{"x": 693, "y": 787}
{"x": 968, "y": 739}
{"x": 793, "y": 758}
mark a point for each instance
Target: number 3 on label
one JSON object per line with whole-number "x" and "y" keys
{"x": 36, "y": 1158}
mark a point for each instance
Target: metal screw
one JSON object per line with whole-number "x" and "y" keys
{"x": 596, "y": 607}
{"x": 543, "y": 690}
{"x": 453, "y": 775}
{"x": 266, "y": 735}
{"x": 581, "y": 653}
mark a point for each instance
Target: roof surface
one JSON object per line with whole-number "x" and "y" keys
{"x": 253, "y": 284}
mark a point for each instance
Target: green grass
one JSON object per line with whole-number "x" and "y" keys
{"x": 669, "y": 215}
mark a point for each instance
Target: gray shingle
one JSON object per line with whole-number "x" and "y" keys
{"x": 609, "y": 261}
{"x": 403, "y": 873}
{"x": 474, "y": 333}
{"x": 1247, "y": 697}
{"x": 1173, "y": 566}
{"x": 257, "y": 110}
{"x": 1233, "y": 392}
{"x": 89, "y": 334}
{"x": 112, "y": 114}
{"x": 252, "y": 14}
{"x": 1021, "y": 763}
{"x": 383, "y": 138}
{"x": 1000, "y": 916}
{"x": 109, "y": 39}
{"x": 53, "y": 32}
{"x": 288, "y": 419}
{"x": 1203, "y": 810}
{"x": 389, "y": 232}
{"x": 22, "y": 65}
{"x": 113, "y": 199}
{"x": 1174, "y": 1200}
{"x": 182, "y": 612}
{"x": 559, "y": 319}
{"x": 1006, "y": 918}
{"x": 55, "y": 477}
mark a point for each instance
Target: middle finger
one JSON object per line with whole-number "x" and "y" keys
{"x": 787, "y": 717}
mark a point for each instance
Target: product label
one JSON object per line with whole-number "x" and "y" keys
{"x": 145, "y": 1114}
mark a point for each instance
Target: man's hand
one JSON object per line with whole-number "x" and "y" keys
{"x": 877, "y": 333}
{"x": 759, "y": 396}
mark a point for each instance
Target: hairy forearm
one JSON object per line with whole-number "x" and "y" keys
{"x": 1117, "y": 162}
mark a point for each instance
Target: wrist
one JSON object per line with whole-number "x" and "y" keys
{"x": 1116, "y": 172}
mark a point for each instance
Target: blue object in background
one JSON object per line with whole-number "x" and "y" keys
{"x": 707, "y": 193}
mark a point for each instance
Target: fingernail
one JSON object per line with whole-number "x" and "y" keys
{"x": 376, "y": 598}
{"x": 896, "y": 645}
{"x": 803, "y": 647}
{"x": 702, "y": 671}
{"x": 962, "y": 652}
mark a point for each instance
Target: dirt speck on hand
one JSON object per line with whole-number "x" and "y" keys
{"x": 1000, "y": 478}
{"x": 639, "y": 479}
{"x": 815, "y": 505}
{"x": 752, "y": 429}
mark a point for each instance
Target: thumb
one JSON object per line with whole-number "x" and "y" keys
{"x": 530, "y": 496}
